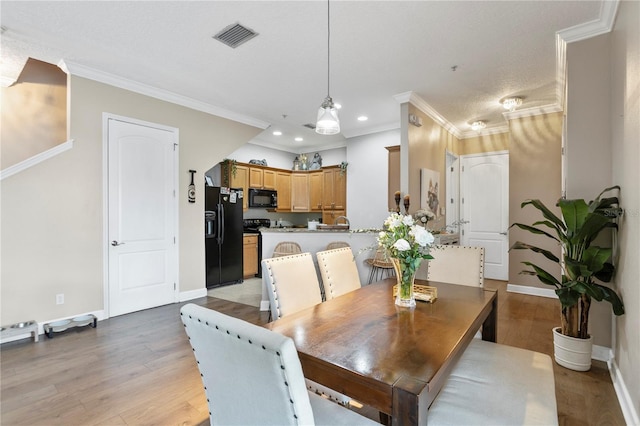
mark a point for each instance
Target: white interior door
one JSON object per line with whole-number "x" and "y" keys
{"x": 141, "y": 216}
{"x": 452, "y": 212}
{"x": 484, "y": 191}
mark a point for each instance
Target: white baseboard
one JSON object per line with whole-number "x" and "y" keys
{"x": 264, "y": 305}
{"x": 599, "y": 353}
{"x": 629, "y": 412}
{"x": 532, "y": 291}
{"x": 192, "y": 294}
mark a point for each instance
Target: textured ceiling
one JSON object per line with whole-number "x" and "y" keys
{"x": 379, "y": 49}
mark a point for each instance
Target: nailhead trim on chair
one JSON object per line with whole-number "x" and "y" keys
{"x": 295, "y": 416}
{"x": 453, "y": 247}
{"x": 272, "y": 281}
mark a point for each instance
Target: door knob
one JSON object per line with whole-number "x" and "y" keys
{"x": 115, "y": 243}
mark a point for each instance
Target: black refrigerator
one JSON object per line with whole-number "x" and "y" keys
{"x": 223, "y": 229}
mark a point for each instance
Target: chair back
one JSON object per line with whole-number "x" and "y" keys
{"x": 457, "y": 265}
{"x": 292, "y": 283}
{"x": 338, "y": 271}
{"x": 285, "y": 248}
{"x": 337, "y": 244}
{"x": 251, "y": 375}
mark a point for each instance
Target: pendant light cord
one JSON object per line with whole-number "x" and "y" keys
{"x": 328, "y": 49}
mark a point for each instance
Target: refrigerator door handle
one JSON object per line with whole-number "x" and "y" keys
{"x": 218, "y": 224}
{"x": 223, "y": 224}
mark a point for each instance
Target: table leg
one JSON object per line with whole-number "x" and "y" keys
{"x": 409, "y": 402}
{"x": 489, "y": 327}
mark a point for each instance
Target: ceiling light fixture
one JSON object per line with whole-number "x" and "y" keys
{"x": 511, "y": 103}
{"x": 328, "y": 122}
{"x": 478, "y": 125}
{"x": 298, "y": 139}
{"x": 363, "y": 118}
{"x": 277, "y": 133}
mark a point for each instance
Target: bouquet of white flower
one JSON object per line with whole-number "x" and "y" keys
{"x": 407, "y": 244}
{"x": 404, "y": 239}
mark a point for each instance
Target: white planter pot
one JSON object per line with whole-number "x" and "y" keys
{"x": 571, "y": 352}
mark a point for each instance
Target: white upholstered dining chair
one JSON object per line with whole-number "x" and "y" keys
{"x": 253, "y": 376}
{"x": 292, "y": 284}
{"x": 338, "y": 271}
{"x": 452, "y": 264}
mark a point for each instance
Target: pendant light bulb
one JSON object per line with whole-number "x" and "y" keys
{"x": 328, "y": 122}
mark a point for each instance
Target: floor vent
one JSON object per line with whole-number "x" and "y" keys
{"x": 234, "y": 35}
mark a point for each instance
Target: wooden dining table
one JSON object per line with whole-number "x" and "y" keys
{"x": 393, "y": 359}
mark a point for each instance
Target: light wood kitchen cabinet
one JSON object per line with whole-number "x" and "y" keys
{"x": 315, "y": 190}
{"x": 300, "y": 192}
{"x": 329, "y": 216}
{"x": 237, "y": 177}
{"x": 334, "y": 190}
{"x": 262, "y": 178}
{"x": 250, "y": 255}
{"x": 256, "y": 177}
{"x": 269, "y": 179}
{"x": 283, "y": 187}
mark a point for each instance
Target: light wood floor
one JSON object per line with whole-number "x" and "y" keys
{"x": 138, "y": 369}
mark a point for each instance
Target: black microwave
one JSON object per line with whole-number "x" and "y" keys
{"x": 264, "y": 198}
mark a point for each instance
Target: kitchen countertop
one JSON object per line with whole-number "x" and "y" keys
{"x": 317, "y": 231}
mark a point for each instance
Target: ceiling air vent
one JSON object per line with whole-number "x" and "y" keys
{"x": 234, "y": 35}
{"x": 310, "y": 126}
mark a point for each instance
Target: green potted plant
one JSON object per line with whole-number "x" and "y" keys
{"x": 582, "y": 265}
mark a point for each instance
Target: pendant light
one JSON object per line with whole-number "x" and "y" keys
{"x": 328, "y": 122}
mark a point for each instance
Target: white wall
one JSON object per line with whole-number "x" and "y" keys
{"x": 275, "y": 158}
{"x": 367, "y": 178}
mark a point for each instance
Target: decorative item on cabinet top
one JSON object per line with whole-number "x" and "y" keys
{"x": 262, "y": 162}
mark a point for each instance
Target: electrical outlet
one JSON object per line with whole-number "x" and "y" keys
{"x": 60, "y": 299}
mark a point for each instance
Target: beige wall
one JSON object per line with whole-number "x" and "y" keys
{"x": 625, "y": 143}
{"x": 588, "y": 142}
{"x": 484, "y": 143}
{"x": 34, "y": 113}
{"x": 427, "y": 146}
{"x": 534, "y": 173}
{"x": 52, "y": 213}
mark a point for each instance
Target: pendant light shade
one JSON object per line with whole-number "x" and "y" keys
{"x": 328, "y": 122}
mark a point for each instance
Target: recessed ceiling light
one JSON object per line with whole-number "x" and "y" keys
{"x": 298, "y": 139}
{"x": 277, "y": 133}
{"x": 363, "y": 118}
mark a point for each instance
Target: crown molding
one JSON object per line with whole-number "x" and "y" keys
{"x": 530, "y": 112}
{"x": 485, "y": 132}
{"x": 371, "y": 130}
{"x": 423, "y": 106}
{"x": 164, "y": 95}
{"x": 36, "y": 159}
{"x": 602, "y": 25}
{"x": 296, "y": 150}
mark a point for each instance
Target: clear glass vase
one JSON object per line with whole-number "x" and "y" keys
{"x": 405, "y": 277}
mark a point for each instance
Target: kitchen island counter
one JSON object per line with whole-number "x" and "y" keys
{"x": 362, "y": 244}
